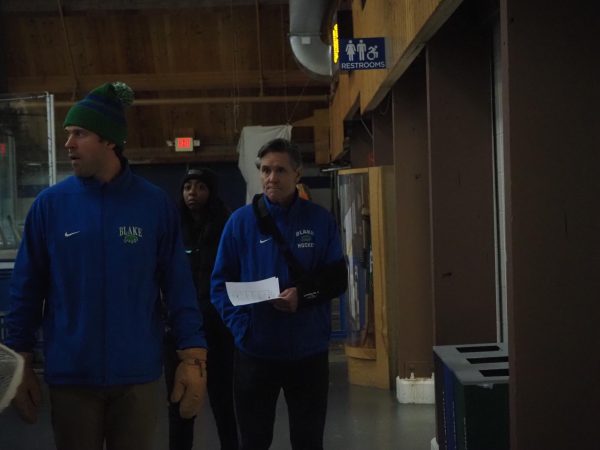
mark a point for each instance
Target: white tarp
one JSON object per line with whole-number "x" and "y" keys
{"x": 251, "y": 140}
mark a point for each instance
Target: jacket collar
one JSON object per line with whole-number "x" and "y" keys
{"x": 283, "y": 211}
{"x": 120, "y": 182}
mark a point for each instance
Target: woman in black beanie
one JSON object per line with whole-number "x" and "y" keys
{"x": 203, "y": 216}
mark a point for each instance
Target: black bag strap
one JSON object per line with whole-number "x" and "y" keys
{"x": 267, "y": 226}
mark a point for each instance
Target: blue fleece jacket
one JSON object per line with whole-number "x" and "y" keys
{"x": 247, "y": 255}
{"x": 91, "y": 265}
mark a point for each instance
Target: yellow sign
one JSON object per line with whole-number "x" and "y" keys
{"x": 336, "y": 43}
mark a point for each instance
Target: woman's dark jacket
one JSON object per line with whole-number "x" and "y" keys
{"x": 201, "y": 241}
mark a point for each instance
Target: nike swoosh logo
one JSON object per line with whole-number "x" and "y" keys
{"x": 262, "y": 241}
{"x": 71, "y": 234}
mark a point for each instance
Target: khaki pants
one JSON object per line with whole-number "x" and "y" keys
{"x": 123, "y": 416}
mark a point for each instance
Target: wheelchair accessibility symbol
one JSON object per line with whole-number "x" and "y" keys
{"x": 372, "y": 53}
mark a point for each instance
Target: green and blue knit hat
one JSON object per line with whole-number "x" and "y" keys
{"x": 103, "y": 112}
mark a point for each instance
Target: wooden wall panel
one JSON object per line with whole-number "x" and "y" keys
{"x": 407, "y": 25}
{"x": 321, "y": 136}
{"x": 217, "y": 126}
{"x": 360, "y": 143}
{"x": 24, "y": 38}
{"x": 342, "y": 107}
{"x": 274, "y": 39}
{"x": 461, "y": 181}
{"x": 411, "y": 314}
{"x": 3, "y": 83}
{"x": 184, "y": 53}
{"x": 382, "y": 129}
{"x": 550, "y": 80}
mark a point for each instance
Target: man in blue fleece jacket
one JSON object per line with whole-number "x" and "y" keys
{"x": 98, "y": 250}
{"x": 283, "y": 343}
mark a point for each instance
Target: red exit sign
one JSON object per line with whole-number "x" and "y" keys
{"x": 184, "y": 144}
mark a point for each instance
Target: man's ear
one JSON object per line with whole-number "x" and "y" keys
{"x": 110, "y": 145}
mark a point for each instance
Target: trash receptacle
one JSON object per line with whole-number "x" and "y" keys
{"x": 481, "y": 407}
{"x": 453, "y": 401}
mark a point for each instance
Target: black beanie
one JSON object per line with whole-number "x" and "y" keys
{"x": 207, "y": 176}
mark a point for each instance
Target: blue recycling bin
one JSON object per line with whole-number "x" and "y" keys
{"x": 471, "y": 388}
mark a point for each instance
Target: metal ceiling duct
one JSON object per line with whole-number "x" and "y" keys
{"x": 312, "y": 54}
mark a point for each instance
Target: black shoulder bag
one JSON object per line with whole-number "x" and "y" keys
{"x": 267, "y": 226}
{"x": 313, "y": 288}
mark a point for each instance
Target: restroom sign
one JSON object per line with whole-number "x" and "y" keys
{"x": 362, "y": 53}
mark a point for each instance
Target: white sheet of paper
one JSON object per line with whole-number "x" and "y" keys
{"x": 246, "y": 293}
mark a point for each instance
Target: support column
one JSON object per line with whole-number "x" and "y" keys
{"x": 461, "y": 180}
{"x": 411, "y": 313}
{"x": 551, "y": 93}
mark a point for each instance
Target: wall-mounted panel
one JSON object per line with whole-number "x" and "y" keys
{"x": 412, "y": 335}
{"x": 552, "y": 138}
{"x": 459, "y": 91}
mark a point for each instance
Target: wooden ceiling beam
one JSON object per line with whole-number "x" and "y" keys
{"x": 166, "y": 155}
{"x": 63, "y": 84}
{"x": 58, "y": 104}
{"x": 215, "y": 100}
{"x": 21, "y": 6}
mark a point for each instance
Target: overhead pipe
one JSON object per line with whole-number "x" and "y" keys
{"x": 312, "y": 54}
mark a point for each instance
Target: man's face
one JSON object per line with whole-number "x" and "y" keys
{"x": 278, "y": 177}
{"x": 88, "y": 153}
{"x": 195, "y": 194}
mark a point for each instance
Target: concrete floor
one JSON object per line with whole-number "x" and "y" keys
{"x": 358, "y": 418}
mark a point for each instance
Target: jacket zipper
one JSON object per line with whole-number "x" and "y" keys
{"x": 104, "y": 302}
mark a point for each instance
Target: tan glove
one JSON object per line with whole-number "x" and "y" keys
{"x": 29, "y": 395}
{"x": 189, "y": 388}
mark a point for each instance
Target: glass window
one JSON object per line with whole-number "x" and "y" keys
{"x": 356, "y": 239}
{"x": 26, "y": 161}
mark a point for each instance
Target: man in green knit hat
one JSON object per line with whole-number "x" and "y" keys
{"x": 98, "y": 251}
